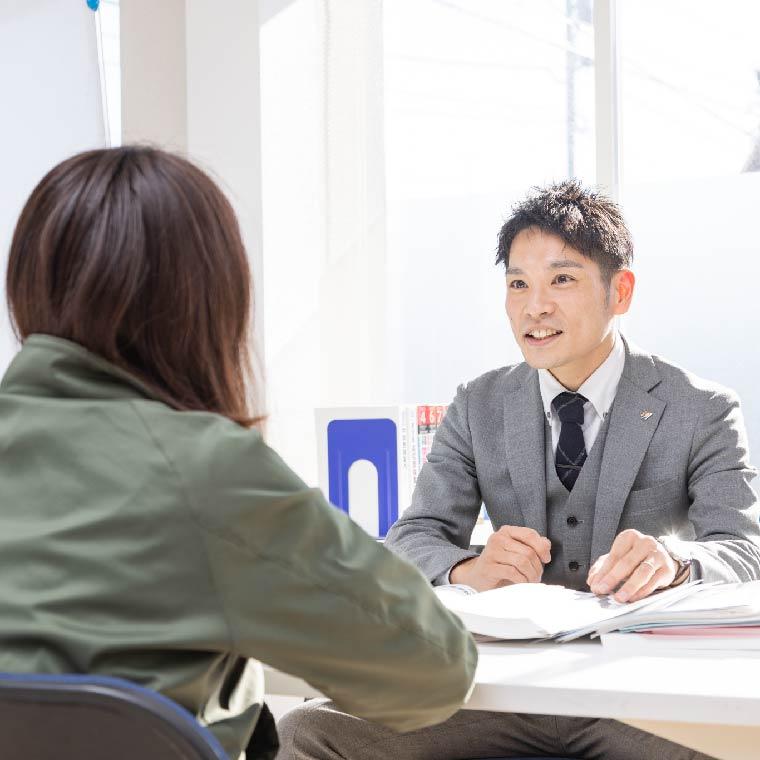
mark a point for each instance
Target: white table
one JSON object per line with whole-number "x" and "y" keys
{"x": 707, "y": 701}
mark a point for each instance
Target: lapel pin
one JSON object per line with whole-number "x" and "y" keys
{"x": 646, "y": 415}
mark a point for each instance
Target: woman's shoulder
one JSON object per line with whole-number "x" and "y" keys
{"x": 214, "y": 459}
{"x": 202, "y": 438}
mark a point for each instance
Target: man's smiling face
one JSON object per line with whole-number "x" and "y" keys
{"x": 560, "y": 307}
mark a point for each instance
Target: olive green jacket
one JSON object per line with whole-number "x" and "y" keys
{"x": 175, "y": 549}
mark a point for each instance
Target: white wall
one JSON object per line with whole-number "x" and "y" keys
{"x": 51, "y": 106}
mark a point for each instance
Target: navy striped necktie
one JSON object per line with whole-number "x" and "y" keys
{"x": 571, "y": 448}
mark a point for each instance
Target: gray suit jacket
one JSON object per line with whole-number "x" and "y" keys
{"x": 683, "y": 470}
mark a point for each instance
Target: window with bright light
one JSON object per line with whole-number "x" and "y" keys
{"x": 690, "y": 89}
{"x": 483, "y": 100}
{"x": 398, "y": 133}
{"x": 691, "y": 184}
{"x": 395, "y": 137}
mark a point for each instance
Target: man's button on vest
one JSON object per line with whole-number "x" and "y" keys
{"x": 572, "y": 521}
{"x": 573, "y": 565}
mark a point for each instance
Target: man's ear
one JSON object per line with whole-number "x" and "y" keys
{"x": 621, "y": 291}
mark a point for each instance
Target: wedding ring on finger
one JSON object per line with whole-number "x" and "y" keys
{"x": 650, "y": 562}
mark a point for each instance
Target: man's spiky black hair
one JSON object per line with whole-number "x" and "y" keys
{"x": 586, "y": 220}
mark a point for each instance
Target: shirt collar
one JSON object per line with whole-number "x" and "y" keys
{"x": 600, "y": 388}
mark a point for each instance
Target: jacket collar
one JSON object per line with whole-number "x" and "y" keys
{"x": 635, "y": 416}
{"x": 53, "y": 367}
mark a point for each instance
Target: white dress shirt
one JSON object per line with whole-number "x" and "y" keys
{"x": 599, "y": 389}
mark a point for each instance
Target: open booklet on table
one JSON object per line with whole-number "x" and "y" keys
{"x": 540, "y": 611}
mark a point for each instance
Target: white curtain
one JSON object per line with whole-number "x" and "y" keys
{"x": 325, "y": 267}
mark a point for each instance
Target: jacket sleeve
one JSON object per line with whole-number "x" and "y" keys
{"x": 305, "y": 590}
{"x": 434, "y": 532}
{"x": 723, "y": 506}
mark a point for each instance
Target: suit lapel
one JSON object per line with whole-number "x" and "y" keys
{"x": 634, "y": 418}
{"x": 524, "y": 432}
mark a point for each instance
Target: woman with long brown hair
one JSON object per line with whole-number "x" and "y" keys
{"x": 146, "y": 530}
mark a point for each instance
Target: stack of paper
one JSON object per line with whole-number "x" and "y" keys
{"x": 539, "y": 611}
{"x": 718, "y": 617}
{"x": 691, "y": 639}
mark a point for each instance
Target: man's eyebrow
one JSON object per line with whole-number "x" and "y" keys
{"x": 565, "y": 264}
{"x": 556, "y": 264}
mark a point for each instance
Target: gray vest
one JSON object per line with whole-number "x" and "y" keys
{"x": 570, "y": 515}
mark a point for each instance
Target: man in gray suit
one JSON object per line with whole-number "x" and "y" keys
{"x": 601, "y": 467}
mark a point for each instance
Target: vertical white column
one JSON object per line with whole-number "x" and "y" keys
{"x": 224, "y": 115}
{"x": 607, "y": 73}
{"x": 324, "y": 205}
{"x": 190, "y": 82}
{"x": 353, "y": 285}
{"x": 294, "y": 220}
{"x": 153, "y": 73}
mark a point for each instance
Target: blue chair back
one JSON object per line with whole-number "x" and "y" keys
{"x": 73, "y": 717}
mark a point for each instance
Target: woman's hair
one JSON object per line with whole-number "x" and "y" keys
{"x": 136, "y": 254}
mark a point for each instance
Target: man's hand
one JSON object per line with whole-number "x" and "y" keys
{"x": 637, "y": 561}
{"x": 512, "y": 555}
